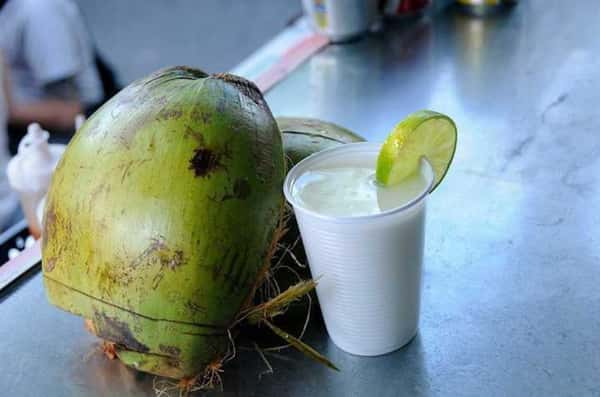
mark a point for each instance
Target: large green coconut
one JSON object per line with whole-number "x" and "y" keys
{"x": 161, "y": 216}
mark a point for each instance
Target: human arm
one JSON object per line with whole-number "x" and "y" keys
{"x": 4, "y": 91}
{"x": 56, "y": 112}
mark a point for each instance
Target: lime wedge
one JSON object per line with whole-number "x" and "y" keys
{"x": 423, "y": 133}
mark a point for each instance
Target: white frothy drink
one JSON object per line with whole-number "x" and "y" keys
{"x": 364, "y": 243}
{"x": 352, "y": 191}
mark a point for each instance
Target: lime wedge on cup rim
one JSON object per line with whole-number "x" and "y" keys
{"x": 421, "y": 134}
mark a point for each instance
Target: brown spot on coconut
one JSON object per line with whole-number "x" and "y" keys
{"x": 204, "y": 162}
{"x": 167, "y": 114}
{"x": 89, "y": 326}
{"x": 170, "y": 350}
{"x": 109, "y": 349}
{"x": 49, "y": 264}
{"x": 241, "y": 189}
{"x": 117, "y": 331}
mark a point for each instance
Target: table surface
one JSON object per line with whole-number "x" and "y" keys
{"x": 511, "y": 303}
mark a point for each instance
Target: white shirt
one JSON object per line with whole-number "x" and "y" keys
{"x": 45, "y": 41}
{"x": 8, "y": 199}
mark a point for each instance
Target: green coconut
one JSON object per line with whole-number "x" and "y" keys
{"x": 161, "y": 217}
{"x": 303, "y": 136}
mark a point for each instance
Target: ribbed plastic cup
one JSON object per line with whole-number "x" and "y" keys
{"x": 368, "y": 267}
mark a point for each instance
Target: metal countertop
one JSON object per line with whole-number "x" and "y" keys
{"x": 511, "y": 299}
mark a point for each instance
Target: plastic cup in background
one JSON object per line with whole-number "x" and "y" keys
{"x": 368, "y": 267}
{"x": 341, "y": 20}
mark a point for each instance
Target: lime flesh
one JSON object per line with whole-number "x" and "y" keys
{"x": 422, "y": 134}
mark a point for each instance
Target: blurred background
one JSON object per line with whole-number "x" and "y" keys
{"x": 62, "y": 59}
{"x": 139, "y": 36}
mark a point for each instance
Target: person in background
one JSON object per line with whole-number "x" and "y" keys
{"x": 51, "y": 61}
{"x": 8, "y": 199}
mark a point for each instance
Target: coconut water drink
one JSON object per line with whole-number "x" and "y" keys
{"x": 364, "y": 243}
{"x": 351, "y": 190}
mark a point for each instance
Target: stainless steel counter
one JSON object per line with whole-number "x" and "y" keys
{"x": 511, "y": 302}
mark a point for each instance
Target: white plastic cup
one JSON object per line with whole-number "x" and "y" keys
{"x": 368, "y": 267}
